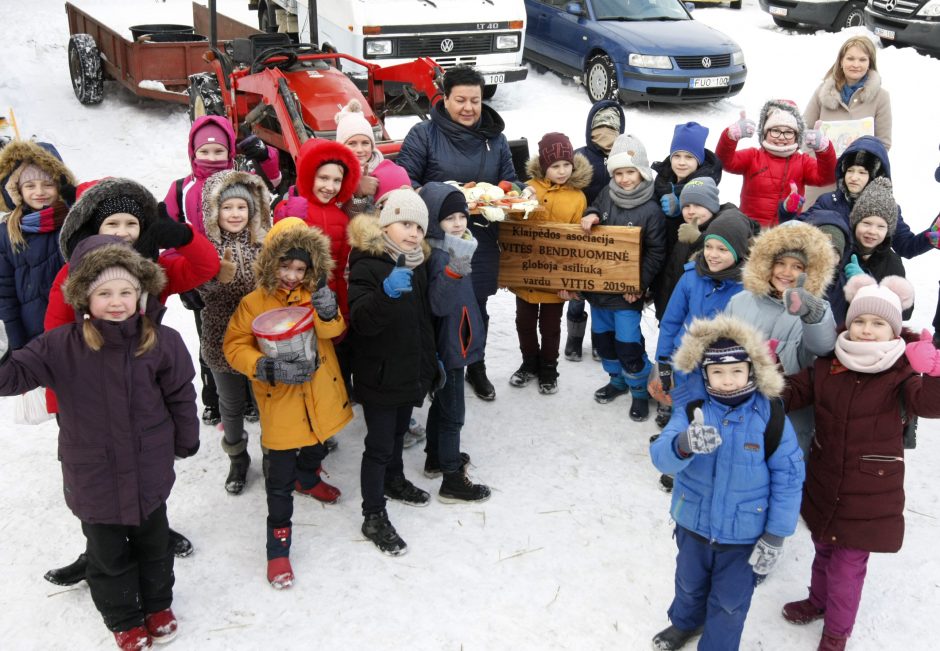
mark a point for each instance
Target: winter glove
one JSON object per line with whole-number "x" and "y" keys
{"x": 459, "y": 264}
{"x": 185, "y": 453}
{"x": 933, "y": 233}
{"x": 772, "y": 345}
{"x": 278, "y": 371}
{"x": 766, "y": 554}
{"x": 815, "y": 139}
{"x": 440, "y": 379}
{"x": 853, "y": 268}
{"x": 254, "y": 148}
{"x": 801, "y": 303}
{"x": 794, "y": 200}
{"x": 324, "y": 301}
{"x": 689, "y": 232}
{"x": 460, "y": 250}
{"x": 398, "y": 281}
{"x": 923, "y": 356}
{"x": 191, "y": 300}
{"x": 670, "y": 204}
{"x": 665, "y": 375}
{"x": 743, "y": 128}
{"x": 67, "y": 193}
{"x": 699, "y": 438}
{"x": 165, "y": 233}
{"x": 227, "y": 268}
{"x": 368, "y": 185}
{"x": 527, "y": 193}
{"x": 293, "y": 206}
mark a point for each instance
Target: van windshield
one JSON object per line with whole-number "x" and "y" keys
{"x": 630, "y": 10}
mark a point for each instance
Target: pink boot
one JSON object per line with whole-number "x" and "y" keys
{"x": 802, "y": 612}
{"x": 830, "y": 643}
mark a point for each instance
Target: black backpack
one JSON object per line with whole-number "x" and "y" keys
{"x": 773, "y": 432}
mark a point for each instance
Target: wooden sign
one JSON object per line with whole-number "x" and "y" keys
{"x": 553, "y": 257}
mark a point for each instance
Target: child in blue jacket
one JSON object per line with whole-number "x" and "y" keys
{"x": 733, "y": 503}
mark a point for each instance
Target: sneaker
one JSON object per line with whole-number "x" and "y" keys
{"x": 476, "y": 378}
{"x": 70, "y": 574}
{"x": 161, "y": 625}
{"x": 280, "y": 573}
{"x": 401, "y": 490}
{"x": 251, "y": 413}
{"x": 608, "y": 392}
{"x": 573, "y": 349}
{"x": 831, "y": 643}
{"x": 673, "y": 638}
{"x": 457, "y": 487}
{"x": 237, "y": 473}
{"x": 380, "y": 531}
{"x": 134, "y": 639}
{"x": 527, "y": 372}
{"x": 211, "y": 416}
{"x": 663, "y": 414}
{"x": 665, "y": 483}
{"x": 321, "y": 491}
{"x": 802, "y": 612}
{"x": 432, "y": 466}
{"x": 180, "y": 544}
{"x": 415, "y": 434}
{"x": 331, "y": 444}
{"x": 548, "y": 378}
{"x": 639, "y": 409}
{"x": 594, "y": 355}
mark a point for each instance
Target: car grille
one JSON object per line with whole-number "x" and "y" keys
{"x": 899, "y": 7}
{"x": 450, "y": 62}
{"x": 695, "y": 62}
{"x": 431, "y": 46}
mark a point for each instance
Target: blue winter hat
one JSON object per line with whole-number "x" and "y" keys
{"x": 690, "y": 137}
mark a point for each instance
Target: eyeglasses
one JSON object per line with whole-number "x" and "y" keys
{"x": 786, "y": 134}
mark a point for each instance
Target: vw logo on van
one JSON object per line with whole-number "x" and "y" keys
{"x": 447, "y": 45}
{"x": 706, "y": 62}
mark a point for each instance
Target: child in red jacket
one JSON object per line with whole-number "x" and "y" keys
{"x": 769, "y": 169}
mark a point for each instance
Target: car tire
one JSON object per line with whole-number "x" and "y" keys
{"x": 600, "y": 78}
{"x": 85, "y": 69}
{"x": 489, "y": 90}
{"x": 852, "y": 15}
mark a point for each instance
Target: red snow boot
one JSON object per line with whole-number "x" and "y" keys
{"x": 161, "y": 625}
{"x": 133, "y": 640}
{"x": 830, "y": 643}
{"x": 320, "y": 491}
{"x": 802, "y": 612}
{"x": 280, "y": 573}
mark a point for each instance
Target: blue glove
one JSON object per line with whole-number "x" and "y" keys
{"x": 670, "y": 205}
{"x": 853, "y": 268}
{"x": 399, "y": 281}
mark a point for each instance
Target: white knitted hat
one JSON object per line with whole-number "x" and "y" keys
{"x": 628, "y": 151}
{"x": 404, "y": 205}
{"x": 351, "y": 121}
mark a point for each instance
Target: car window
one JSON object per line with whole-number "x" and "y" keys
{"x": 639, "y": 10}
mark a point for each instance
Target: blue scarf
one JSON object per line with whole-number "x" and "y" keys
{"x": 848, "y": 91}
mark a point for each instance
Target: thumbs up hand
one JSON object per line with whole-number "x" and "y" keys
{"x": 743, "y": 128}
{"x": 227, "y": 268}
{"x": 398, "y": 281}
{"x": 801, "y": 303}
{"x": 794, "y": 200}
{"x": 699, "y": 438}
{"x": 815, "y": 139}
{"x": 324, "y": 301}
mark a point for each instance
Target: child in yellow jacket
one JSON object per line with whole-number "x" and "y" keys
{"x": 302, "y": 402}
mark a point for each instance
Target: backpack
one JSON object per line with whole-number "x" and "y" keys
{"x": 773, "y": 432}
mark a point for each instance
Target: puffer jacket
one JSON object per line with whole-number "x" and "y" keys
{"x": 116, "y": 446}
{"x": 560, "y": 204}
{"x": 221, "y": 300}
{"x": 854, "y": 493}
{"x": 835, "y": 293}
{"x": 440, "y": 149}
{"x": 292, "y": 415}
{"x": 596, "y": 156}
{"x": 733, "y": 495}
{"x": 871, "y": 100}
{"x": 395, "y": 361}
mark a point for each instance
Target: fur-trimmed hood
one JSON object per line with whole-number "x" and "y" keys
{"x": 18, "y": 154}
{"x": 98, "y": 252}
{"x": 788, "y": 107}
{"x": 365, "y": 235}
{"x": 293, "y": 233}
{"x": 78, "y": 224}
{"x": 220, "y": 121}
{"x": 580, "y": 176}
{"x": 316, "y": 152}
{"x": 701, "y": 333}
{"x": 260, "y": 221}
{"x": 821, "y": 257}
{"x": 830, "y": 97}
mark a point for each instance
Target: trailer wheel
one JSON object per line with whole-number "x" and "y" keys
{"x": 85, "y": 69}
{"x": 489, "y": 91}
{"x": 205, "y": 96}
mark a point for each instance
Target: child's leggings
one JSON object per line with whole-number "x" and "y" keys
{"x": 619, "y": 341}
{"x": 836, "y": 585}
{"x": 533, "y": 319}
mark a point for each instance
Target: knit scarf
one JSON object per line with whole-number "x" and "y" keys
{"x": 731, "y": 273}
{"x": 630, "y": 198}
{"x": 868, "y": 356}
{"x": 45, "y": 220}
{"x": 847, "y": 90}
{"x": 783, "y": 151}
{"x": 374, "y": 161}
{"x": 412, "y": 258}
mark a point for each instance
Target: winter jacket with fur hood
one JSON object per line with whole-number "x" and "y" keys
{"x": 292, "y": 415}
{"x": 123, "y": 417}
{"x": 395, "y": 360}
{"x": 27, "y": 273}
{"x": 798, "y": 343}
{"x": 596, "y": 156}
{"x": 733, "y": 495}
{"x": 560, "y": 204}
{"x": 222, "y": 299}
{"x": 871, "y": 100}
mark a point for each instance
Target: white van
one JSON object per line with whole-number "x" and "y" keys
{"x": 485, "y": 34}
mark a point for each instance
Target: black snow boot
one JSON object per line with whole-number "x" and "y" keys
{"x": 575, "y": 339}
{"x": 610, "y": 391}
{"x": 457, "y": 487}
{"x": 211, "y": 416}
{"x": 548, "y": 377}
{"x": 672, "y": 638}
{"x": 639, "y": 409}
{"x": 70, "y": 574}
{"x": 482, "y": 387}
{"x": 663, "y": 414}
{"x": 432, "y": 465}
{"x": 401, "y": 490}
{"x": 251, "y": 413}
{"x": 526, "y": 373}
{"x": 380, "y": 531}
{"x": 237, "y": 473}
{"x": 180, "y": 545}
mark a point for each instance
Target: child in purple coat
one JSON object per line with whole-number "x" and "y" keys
{"x": 117, "y": 447}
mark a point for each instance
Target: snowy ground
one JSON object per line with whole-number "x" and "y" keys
{"x": 574, "y": 550}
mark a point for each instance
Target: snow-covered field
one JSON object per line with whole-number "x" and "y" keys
{"x": 574, "y": 550}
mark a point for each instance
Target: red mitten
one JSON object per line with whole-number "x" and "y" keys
{"x": 794, "y": 200}
{"x": 923, "y": 356}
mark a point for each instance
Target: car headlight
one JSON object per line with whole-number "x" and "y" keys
{"x": 507, "y": 41}
{"x": 378, "y": 48}
{"x": 649, "y": 61}
{"x": 930, "y": 10}
{"x": 737, "y": 58}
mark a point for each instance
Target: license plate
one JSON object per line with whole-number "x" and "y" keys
{"x": 884, "y": 33}
{"x": 709, "y": 82}
{"x": 489, "y": 80}
{"x": 778, "y": 11}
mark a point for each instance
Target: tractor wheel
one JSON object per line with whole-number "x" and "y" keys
{"x": 85, "y": 69}
{"x": 489, "y": 91}
{"x": 600, "y": 78}
{"x": 205, "y": 97}
{"x": 852, "y": 15}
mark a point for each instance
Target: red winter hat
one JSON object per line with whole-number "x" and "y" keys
{"x": 554, "y": 147}
{"x": 210, "y": 132}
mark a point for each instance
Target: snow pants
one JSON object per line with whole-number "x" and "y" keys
{"x": 285, "y": 468}
{"x": 619, "y": 341}
{"x": 445, "y": 420}
{"x": 534, "y": 319}
{"x": 836, "y": 585}
{"x": 381, "y": 460}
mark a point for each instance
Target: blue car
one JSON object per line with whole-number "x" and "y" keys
{"x": 634, "y": 50}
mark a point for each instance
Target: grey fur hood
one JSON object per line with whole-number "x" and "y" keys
{"x": 19, "y": 153}
{"x": 260, "y": 221}
{"x": 799, "y": 236}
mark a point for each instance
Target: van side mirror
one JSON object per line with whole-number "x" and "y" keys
{"x": 575, "y": 8}
{"x": 690, "y": 6}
